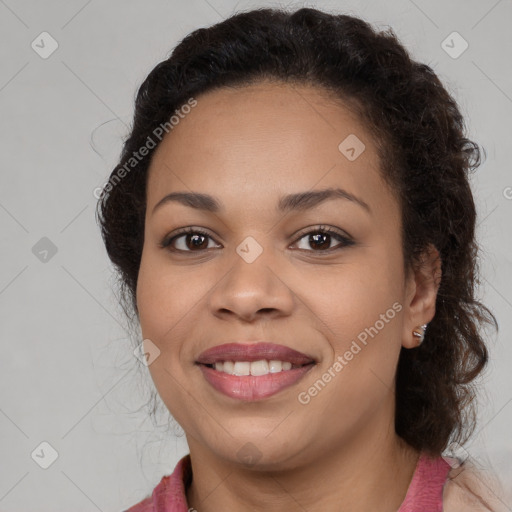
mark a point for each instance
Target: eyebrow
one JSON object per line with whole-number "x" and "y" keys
{"x": 296, "y": 202}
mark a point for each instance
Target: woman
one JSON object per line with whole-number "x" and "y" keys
{"x": 294, "y": 229}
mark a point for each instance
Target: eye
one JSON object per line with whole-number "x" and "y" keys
{"x": 187, "y": 240}
{"x": 192, "y": 239}
{"x": 321, "y": 237}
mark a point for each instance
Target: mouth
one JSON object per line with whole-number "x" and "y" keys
{"x": 253, "y": 371}
{"x": 255, "y": 368}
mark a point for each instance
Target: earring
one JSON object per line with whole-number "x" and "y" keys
{"x": 420, "y": 334}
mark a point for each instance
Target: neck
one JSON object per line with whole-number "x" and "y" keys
{"x": 365, "y": 476}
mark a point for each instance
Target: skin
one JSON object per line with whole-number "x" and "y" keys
{"x": 248, "y": 147}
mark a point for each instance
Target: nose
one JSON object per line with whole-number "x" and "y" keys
{"x": 252, "y": 290}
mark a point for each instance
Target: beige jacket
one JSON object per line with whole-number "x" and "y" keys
{"x": 468, "y": 489}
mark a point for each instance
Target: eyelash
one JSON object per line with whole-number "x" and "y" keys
{"x": 345, "y": 240}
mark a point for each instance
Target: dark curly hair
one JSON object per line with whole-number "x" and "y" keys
{"x": 425, "y": 158}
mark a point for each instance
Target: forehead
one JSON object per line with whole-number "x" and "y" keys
{"x": 266, "y": 137}
{"x": 266, "y": 108}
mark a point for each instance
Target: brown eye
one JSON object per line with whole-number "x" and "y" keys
{"x": 321, "y": 238}
{"x": 195, "y": 241}
{"x": 188, "y": 240}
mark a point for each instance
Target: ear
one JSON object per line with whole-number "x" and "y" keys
{"x": 421, "y": 288}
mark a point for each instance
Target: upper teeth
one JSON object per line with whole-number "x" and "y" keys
{"x": 261, "y": 367}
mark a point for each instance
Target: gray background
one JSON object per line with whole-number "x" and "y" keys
{"x": 68, "y": 376}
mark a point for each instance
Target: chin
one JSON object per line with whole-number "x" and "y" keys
{"x": 261, "y": 452}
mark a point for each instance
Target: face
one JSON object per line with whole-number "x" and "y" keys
{"x": 319, "y": 274}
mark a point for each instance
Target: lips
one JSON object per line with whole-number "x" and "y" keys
{"x": 251, "y": 387}
{"x": 253, "y": 352}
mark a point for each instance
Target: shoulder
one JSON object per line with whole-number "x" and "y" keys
{"x": 468, "y": 489}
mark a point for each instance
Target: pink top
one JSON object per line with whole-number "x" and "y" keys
{"x": 425, "y": 492}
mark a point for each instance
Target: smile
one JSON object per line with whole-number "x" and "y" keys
{"x": 253, "y": 371}
{"x": 256, "y": 368}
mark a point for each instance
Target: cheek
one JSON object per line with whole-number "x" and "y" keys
{"x": 172, "y": 300}
{"x": 359, "y": 308}
{"x": 354, "y": 296}
{"x": 164, "y": 298}
{"x": 361, "y": 318}
{"x": 164, "y": 295}
{"x": 152, "y": 308}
